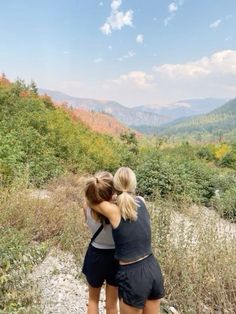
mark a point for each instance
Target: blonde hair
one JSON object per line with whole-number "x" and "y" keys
{"x": 99, "y": 188}
{"x": 125, "y": 184}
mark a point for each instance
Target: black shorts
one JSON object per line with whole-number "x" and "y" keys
{"x": 140, "y": 281}
{"x": 100, "y": 266}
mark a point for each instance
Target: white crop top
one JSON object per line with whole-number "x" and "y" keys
{"x": 105, "y": 239}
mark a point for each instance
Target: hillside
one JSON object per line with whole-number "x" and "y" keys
{"x": 100, "y": 122}
{"x": 41, "y": 140}
{"x": 128, "y": 116}
{"x": 219, "y": 123}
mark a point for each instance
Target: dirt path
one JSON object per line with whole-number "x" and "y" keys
{"x": 61, "y": 291}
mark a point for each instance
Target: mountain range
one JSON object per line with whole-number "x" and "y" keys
{"x": 128, "y": 116}
{"x": 143, "y": 118}
{"x": 185, "y": 108}
{"x": 218, "y": 123}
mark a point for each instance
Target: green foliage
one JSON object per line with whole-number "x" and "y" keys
{"x": 17, "y": 259}
{"x": 225, "y": 199}
{"x": 43, "y": 140}
{"x": 130, "y": 149}
{"x": 178, "y": 173}
{"x": 178, "y": 178}
{"x": 216, "y": 125}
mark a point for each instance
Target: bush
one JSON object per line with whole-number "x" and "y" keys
{"x": 178, "y": 179}
{"x": 225, "y": 204}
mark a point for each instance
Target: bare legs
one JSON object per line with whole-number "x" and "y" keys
{"x": 127, "y": 309}
{"x": 94, "y": 294}
{"x": 111, "y": 300}
{"x": 151, "y": 307}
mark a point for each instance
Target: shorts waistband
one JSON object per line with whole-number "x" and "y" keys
{"x": 102, "y": 250}
{"x": 134, "y": 264}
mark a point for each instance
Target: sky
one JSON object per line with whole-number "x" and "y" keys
{"x": 136, "y": 52}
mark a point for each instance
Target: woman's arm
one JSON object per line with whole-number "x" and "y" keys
{"x": 109, "y": 210}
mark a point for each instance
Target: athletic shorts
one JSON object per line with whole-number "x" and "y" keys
{"x": 140, "y": 281}
{"x": 100, "y": 266}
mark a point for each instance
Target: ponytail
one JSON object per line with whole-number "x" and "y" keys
{"x": 127, "y": 205}
{"x": 125, "y": 185}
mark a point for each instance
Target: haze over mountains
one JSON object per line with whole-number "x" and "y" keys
{"x": 143, "y": 118}
{"x": 128, "y": 116}
{"x": 186, "y": 108}
{"x": 220, "y": 122}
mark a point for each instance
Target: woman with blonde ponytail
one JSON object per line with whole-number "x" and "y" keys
{"x": 139, "y": 278}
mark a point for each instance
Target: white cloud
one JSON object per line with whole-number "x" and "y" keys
{"x": 138, "y": 78}
{"x": 115, "y": 4}
{"x": 173, "y": 7}
{"x": 106, "y": 29}
{"x": 140, "y": 38}
{"x": 117, "y": 19}
{"x": 101, "y": 4}
{"x": 98, "y": 60}
{"x": 182, "y": 70}
{"x": 222, "y": 62}
{"x": 110, "y": 47}
{"x": 215, "y": 24}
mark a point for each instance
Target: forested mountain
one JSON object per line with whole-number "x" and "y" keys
{"x": 128, "y": 116}
{"x": 185, "y": 108}
{"x": 219, "y": 123}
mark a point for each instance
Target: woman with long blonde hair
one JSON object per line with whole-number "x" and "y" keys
{"x": 139, "y": 278}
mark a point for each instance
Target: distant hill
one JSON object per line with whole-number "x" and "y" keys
{"x": 185, "y": 108}
{"x": 220, "y": 122}
{"x": 128, "y": 116}
{"x": 100, "y": 122}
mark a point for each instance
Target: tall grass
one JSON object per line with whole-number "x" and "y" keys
{"x": 29, "y": 226}
{"x": 198, "y": 261}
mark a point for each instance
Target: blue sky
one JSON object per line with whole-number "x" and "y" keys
{"x": 132, "y": 51}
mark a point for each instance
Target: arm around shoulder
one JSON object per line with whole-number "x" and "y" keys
{"x": 109, "y": 210}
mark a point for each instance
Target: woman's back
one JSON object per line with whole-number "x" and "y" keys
{"x": 133, "y": 238}
{"x": 104, "y": 240}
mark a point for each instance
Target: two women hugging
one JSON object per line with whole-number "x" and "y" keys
{"x": 119, "y": 252}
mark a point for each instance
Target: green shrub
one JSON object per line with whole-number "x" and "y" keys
{"x": 17, "y": 259}
{"x": 225, "y": 203}
{"x": 176, "y": 178}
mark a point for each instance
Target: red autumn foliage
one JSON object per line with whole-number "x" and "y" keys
{"x": 99, "y": 122}
{"x": 3, "y": 80}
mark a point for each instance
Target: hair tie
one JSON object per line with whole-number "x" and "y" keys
{"x": 96, "y": 179}
{"x": 124, "y": 191}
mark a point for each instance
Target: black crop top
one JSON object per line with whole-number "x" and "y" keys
{"x": 133, "y": 238}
